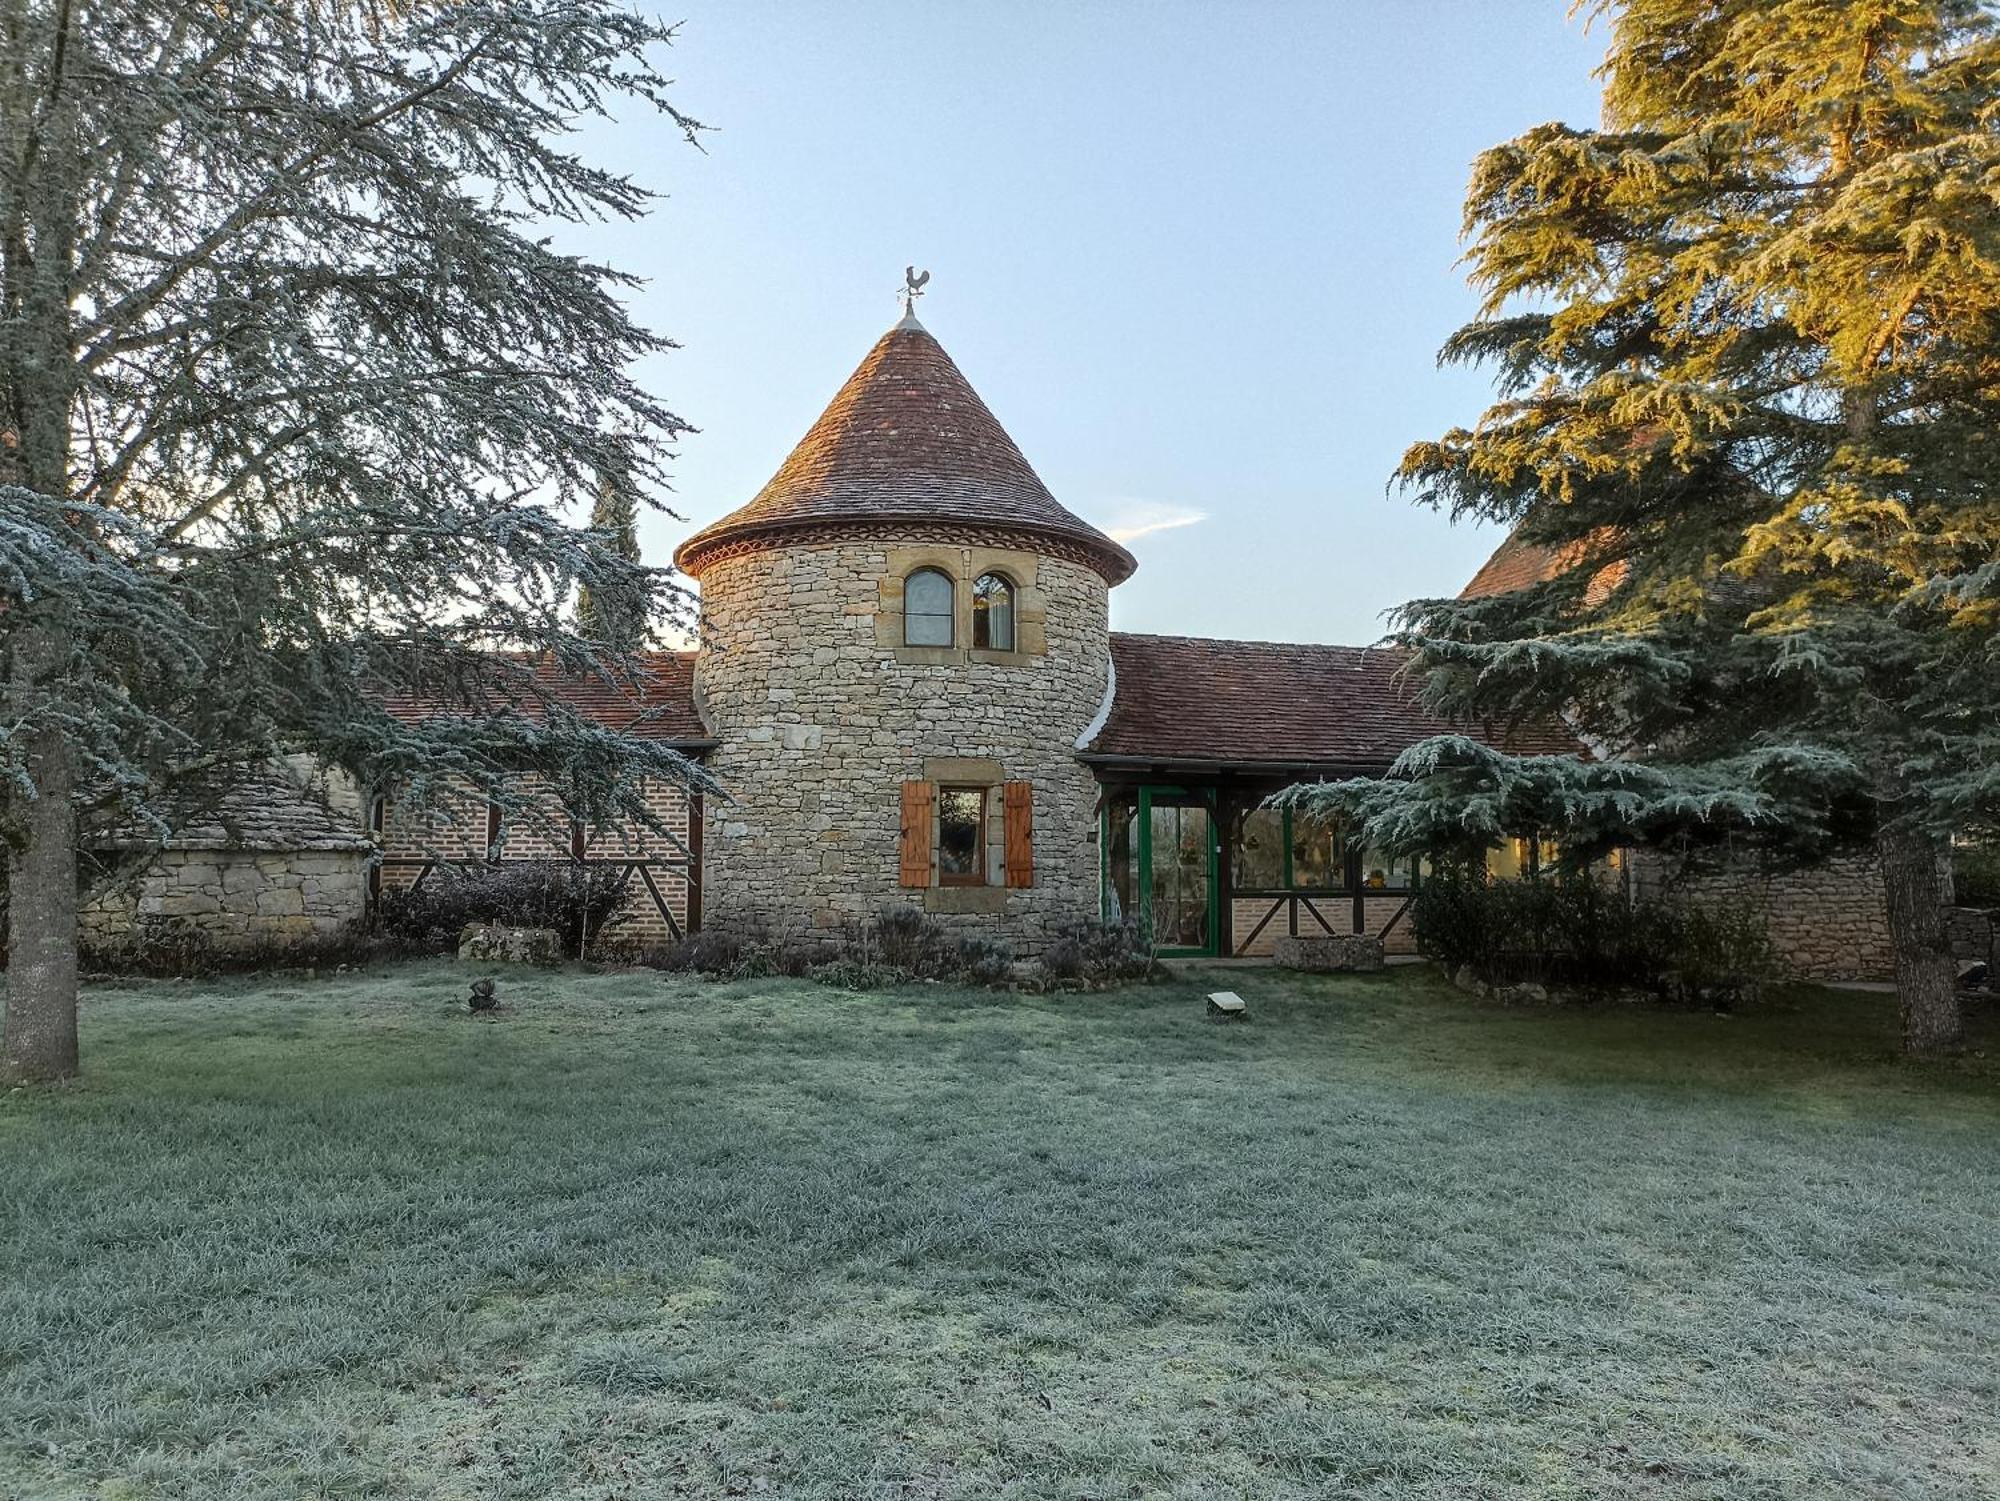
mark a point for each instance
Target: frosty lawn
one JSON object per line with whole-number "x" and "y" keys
{"x": 646, "y": 1238}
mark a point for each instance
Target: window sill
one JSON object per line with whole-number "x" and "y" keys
{"x": 1003, "y": 658}
{"x": 928, "y": 656}
{"x": 948, "y": 899}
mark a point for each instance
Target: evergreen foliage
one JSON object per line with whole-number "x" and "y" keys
{"x": 612, "y": 613}
{"x": 295, "y": 393}
{"x": 1748, "y": 344}
{"x": 1581, "y": 934}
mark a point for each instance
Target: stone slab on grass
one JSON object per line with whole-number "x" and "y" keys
{"x": 1334, "y": 953}
{"x": 483, "y": 943}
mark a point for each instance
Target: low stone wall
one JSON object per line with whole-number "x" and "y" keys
{"x": 1829, "y": 922}
{"x": 1974, "y": 932}
{"x": 238, "y": 899}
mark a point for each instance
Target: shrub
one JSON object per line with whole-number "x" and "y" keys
{"x": 1579, "y": 933}
{"x": 707, "y": 952}
{"x": 1100, "y": 954}
{"x": 176, "y": 948}
{"x": 578, "y": 901}
{"x": 978, "y": 961}
{"x": 1975, "y": 873}
{"x": 903, "y": 938}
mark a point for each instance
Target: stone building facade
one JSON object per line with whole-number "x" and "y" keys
{"x": 882, "y": 749}
{"x": 909, "y": 694}
{"x": 273, "y": 860}
{"x": 822, "y": 716}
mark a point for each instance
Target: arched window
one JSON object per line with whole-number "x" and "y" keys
{"x": 927, "y": 608}
{"x": 993, "y": 613}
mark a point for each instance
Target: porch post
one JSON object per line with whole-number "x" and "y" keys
{"x": 1225, "y": 875}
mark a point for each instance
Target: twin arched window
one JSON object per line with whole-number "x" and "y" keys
{"x": 930, "y": 605}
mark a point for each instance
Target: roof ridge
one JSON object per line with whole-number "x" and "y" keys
{"x": 1255, "y": 641}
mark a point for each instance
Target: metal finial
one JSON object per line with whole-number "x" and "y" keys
{"x": 913, "y": 288}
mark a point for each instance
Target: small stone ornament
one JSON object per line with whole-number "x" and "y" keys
{"x": 484, "y": 996}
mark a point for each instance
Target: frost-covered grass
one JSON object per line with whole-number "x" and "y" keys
{"x": 641, "y": 1238}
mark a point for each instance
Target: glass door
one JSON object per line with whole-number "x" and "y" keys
{"x": 1177, "y": 861}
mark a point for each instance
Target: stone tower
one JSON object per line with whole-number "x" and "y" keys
{"x": 905, "y": 636}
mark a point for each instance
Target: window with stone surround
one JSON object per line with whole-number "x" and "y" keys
{"x": 928, "y": 607}
{"x": 993, "y": 613}
{"x": 961, "y": 836}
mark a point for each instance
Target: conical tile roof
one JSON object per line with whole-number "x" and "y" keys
{"x": 905, "y": 440}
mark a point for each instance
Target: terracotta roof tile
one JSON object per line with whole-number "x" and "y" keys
{"x": 1516, "y": 565}
{"x": 1251, "y": 703}
{"x": 906, "y": 439}
{"x": 659, "y": 706}
{"x": 244, "y": 808}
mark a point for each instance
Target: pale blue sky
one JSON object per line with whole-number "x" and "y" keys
{"x": 1198, "y": 258}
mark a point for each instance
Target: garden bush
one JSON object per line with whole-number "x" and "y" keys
{"x": 899, "y": 945}
{"x": 178, "y": 948}
{"x": 578, "y": 901}
{"x": 1578, "y": 933}
{"x": 1100, "y": 954}
{"x": 1975, "y": 875}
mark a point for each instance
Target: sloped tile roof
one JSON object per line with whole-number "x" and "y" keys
{"x": 264, "y": 808}
{"x": 657, "y": 705}
{"x": 1516, "y": 564}
{"x": 906, "y": 439}
{"x": 1250, "y": 703}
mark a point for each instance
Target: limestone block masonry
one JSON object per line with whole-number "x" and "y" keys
{"x": 240, "y": 900}
{"x": 1829, "y": 922}
{"x": 821, "y": 718}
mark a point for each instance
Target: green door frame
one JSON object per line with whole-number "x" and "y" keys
{"x": 1204, "y": 798}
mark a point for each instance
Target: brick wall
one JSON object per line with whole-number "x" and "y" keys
{"x": 456, "y": 828}
{"x": 1338, "y": 910}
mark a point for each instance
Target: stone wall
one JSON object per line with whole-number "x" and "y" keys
{"x": 1829, "y": 922}
{"x": 822, "y": 716}
{"x": 240, "y": 900}
{"x": 1974, "y": 933}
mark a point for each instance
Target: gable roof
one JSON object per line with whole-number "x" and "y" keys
{"x": 906, "y": 439}
{"x": 658, "y": 704}
{"x": 1273, "y": 704}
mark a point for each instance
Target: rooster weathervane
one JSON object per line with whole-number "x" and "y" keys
{"x": 913, "y": 288}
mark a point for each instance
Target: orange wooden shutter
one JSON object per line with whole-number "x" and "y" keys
{"x": 918, "y": 798}
{"x": 1020, "y": 807}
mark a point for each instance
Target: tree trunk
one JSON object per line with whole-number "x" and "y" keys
{"x": 1926, "y": 978}
{"x": 41, "y": 889}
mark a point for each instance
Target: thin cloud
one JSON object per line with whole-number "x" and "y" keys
{"x": 1133, "y": 519}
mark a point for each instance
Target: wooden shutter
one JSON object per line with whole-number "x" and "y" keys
{"x": 1020, "y": 806}
{"x": 919, "y": 798}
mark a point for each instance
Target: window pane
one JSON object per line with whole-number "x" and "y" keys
{"x": 1507, "y": 860}
{"x": 1319, "y": 856}
{"x": 1381, "y": 873}
{"x": 993, "y": 613}
{"x": 1259, "y": 859}
{"x": 1122, "y": 857}
{"x": 927, "y": 604}
{"x": 961, "y": 827}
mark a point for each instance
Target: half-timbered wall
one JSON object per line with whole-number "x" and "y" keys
{"x": 662, "y": 901}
